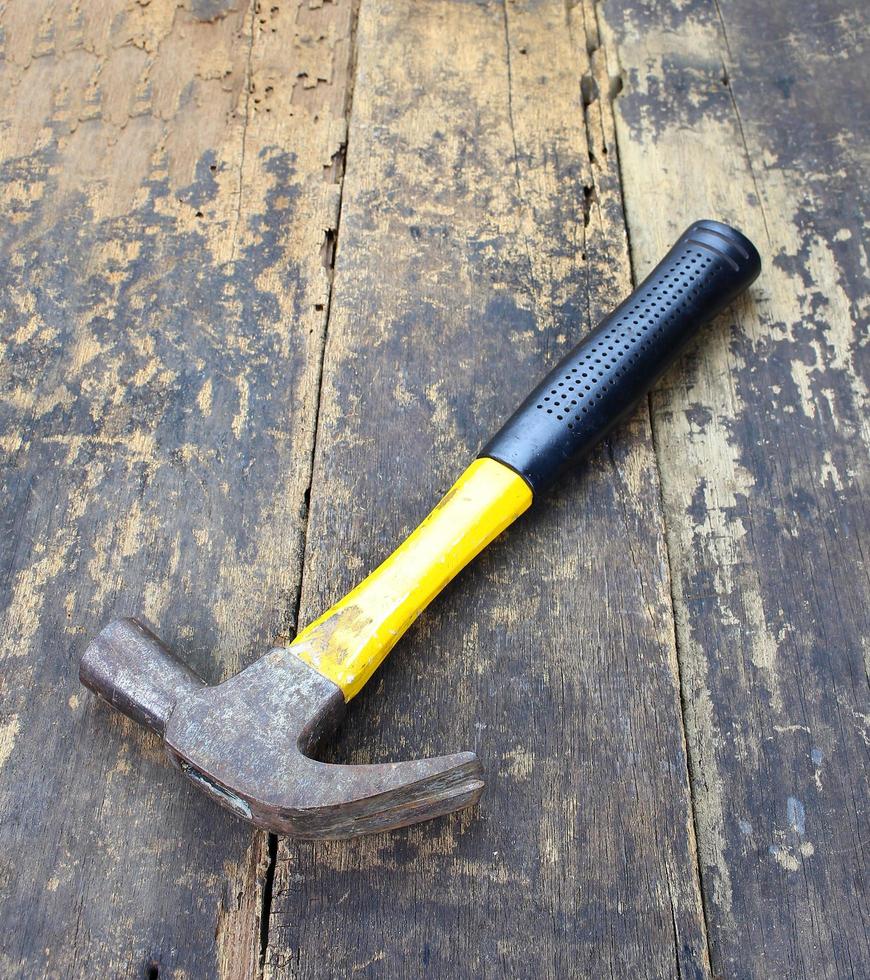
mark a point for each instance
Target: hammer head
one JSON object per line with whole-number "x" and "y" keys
{"x": 246, "y": 742}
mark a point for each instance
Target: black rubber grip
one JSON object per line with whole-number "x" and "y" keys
{"x": 601, "y": 380}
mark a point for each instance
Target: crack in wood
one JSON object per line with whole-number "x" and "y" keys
{"x": 246, "y": 120}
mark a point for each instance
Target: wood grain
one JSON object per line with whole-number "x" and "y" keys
{"x": 169, "y": 181}
{"x": 481, "y": 233}
{"x": 761, "y": 437}
{"x": 179, "y": 374}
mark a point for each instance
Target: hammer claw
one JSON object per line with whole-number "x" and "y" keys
{"x": 373, "y": 798}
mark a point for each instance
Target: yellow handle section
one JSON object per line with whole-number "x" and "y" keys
{"x": 349, "y": 641}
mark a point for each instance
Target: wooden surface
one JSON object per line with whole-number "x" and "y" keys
{"x": 169, "y": 181}
{"x": 459, "y": 265}
{"x": 210, "y": 415}
{"x": 761, "y": 441}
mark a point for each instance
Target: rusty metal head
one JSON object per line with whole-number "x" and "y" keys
{"x": 246, "y": 742}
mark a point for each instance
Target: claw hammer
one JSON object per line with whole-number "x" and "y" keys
{"x": 248, "y": 741}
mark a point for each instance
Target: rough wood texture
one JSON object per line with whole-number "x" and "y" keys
{"x": 761, "y": 439}
{"x": 171, "y": 178}
{"x": 168, "y": 181}
{"x": 469, "y": 258}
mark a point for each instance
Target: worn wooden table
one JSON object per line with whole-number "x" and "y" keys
{"x": 271, "y": 272}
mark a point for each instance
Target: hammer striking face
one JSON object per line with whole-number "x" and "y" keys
{"x": 246, "y": 741}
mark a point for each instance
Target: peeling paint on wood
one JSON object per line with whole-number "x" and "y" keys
{"x": 761, "y": 438}
{"x": 171, "y": 178}
{"x": 481, "y": 234}
{"x": 163, "y": 304}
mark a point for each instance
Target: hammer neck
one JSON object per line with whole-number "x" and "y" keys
{"x": 349, "y": 641}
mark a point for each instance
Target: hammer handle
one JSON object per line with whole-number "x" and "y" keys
{"x": 597, "y": 384}
{"x": 584, "y": 396}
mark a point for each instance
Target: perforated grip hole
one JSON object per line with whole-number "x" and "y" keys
{"x": 635, "y": 333}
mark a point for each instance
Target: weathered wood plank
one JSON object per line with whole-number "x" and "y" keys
{"x": 762, "y": 442}
{"x": 469, "y": 257}
{"x": 168, "y": 177}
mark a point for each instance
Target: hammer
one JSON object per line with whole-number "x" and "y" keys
{"x": 248, "y": 742}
